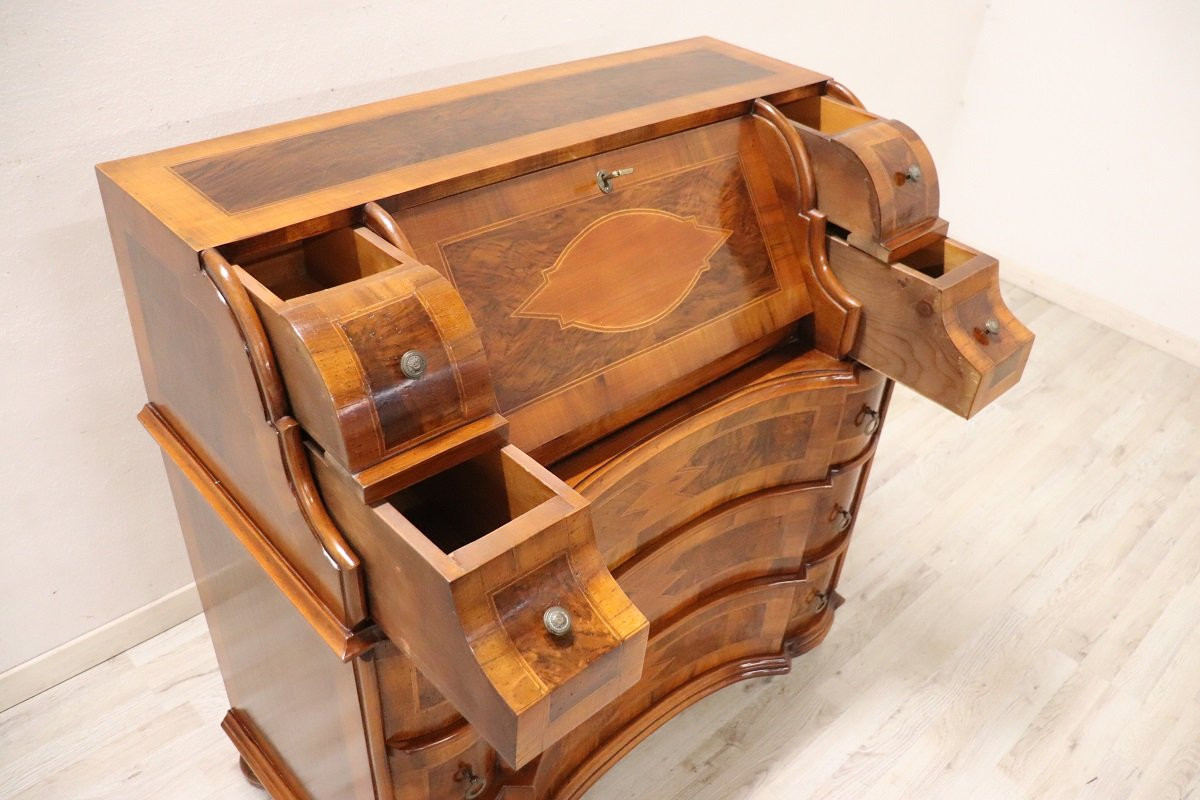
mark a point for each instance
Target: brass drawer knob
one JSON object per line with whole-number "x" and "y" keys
{"x": 557, "y": 621}
{"x": 412, "y": 364}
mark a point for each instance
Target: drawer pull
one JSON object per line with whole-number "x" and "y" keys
{"x": 475, "y": 784}
{"x": 989, "y": 331}
{"x": 557, "y": 621}
{"x": 604, "y": 178}
{"x": 842, "y": 517}
{"x": 413, "y": 364}
{"x": 871, "y": 416}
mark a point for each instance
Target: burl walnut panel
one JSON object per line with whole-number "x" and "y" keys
{"x": 282, "y": 169}
{"x": 639, "y": 290}
{"x": 775, "y": 432}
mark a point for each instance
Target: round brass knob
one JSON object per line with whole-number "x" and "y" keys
{"x": 557, "y": 621}
{"x": 412, "y": 364}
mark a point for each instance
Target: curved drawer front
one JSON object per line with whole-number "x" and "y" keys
{"x": 773, "y": 434}
{"x": 863, "y": 415}
{"x": 447, "y": 771}
{"x": 736, "y": 634}
{"x": 762, "y": 534}
{"x": 412, "y": 707}
{"x": 833, "y": 519}
{"x": 816, "y": 594}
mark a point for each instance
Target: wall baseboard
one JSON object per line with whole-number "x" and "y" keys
{"x": 94, "y": 647}
{"x": 1110, "y": 315}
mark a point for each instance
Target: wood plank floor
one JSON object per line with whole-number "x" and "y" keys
{"x": 1021, "y": 621}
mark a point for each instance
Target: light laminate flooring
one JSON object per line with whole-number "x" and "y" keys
{"x": 1022, "y": 621}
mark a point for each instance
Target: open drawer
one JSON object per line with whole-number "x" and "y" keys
{"x": 479, "y": 562}
{"x": 383, "y": 364}
{"x": 874, "y": 177}
{"x": 487, "y": 574}
{"x": 935, "y": 322}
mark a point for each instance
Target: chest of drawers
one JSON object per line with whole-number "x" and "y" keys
{"x": 507, "y": 420}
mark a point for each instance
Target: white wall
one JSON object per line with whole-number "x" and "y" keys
{"x": 1076, "y": 159}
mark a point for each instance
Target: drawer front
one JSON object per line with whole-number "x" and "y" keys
{"x": 594, "y": 306}
{"x": 445, "y": 770}
{"x": 737, "y": 633}
{"x": 816, "y": 592}
{"x": 836, "y": 509}
{"x": 863, "y": 415}
{"x": 936, "y": 322}
{"x": 814, "y": 603}
{"x": 775, "y": 434}
{"x": 433, "y": 753}
{"x": 762, "y": 534}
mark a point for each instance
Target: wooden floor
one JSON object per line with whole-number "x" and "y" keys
{"x": 1022, "y": 621}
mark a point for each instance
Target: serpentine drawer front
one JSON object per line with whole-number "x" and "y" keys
{"x": 507, "y": 420}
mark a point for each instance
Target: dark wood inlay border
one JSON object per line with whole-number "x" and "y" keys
{"x": 268, "y": 173}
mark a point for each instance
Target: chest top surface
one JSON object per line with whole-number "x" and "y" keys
{"x": 426, "y": 146}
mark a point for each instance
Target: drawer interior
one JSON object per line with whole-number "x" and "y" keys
{"x": 826, "y": 115}
{"x": 940, "y": 258}
{"x": 471, "y": 500}
{"x": 319, "y": 262}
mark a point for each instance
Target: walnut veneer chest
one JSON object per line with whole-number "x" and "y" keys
{"x": 505, "y": 421}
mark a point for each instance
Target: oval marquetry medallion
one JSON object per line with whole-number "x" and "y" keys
{"x": 624, "y": 271}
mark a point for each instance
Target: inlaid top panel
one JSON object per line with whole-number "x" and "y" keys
{"x": 433, "y": 144}
{"x": 274, "y": 171}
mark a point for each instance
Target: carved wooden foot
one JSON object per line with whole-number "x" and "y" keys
{"x": 249, "y": 773}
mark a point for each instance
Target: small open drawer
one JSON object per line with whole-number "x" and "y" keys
{"x": 875, "y": 177}
{"x": 383, "y": 365}
{"x": 487, "y": 574}
{"x": 935, "y": 322}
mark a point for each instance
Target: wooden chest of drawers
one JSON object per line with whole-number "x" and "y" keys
{"x": 507, "y": 420}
